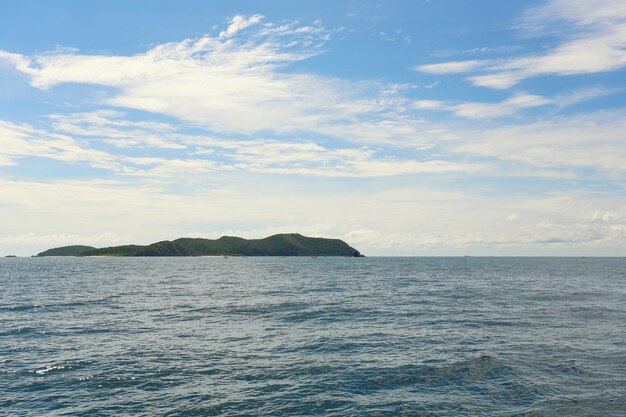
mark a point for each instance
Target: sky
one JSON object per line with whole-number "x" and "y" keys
{"x": 423, "y": 127}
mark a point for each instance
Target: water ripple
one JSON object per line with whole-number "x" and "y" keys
{"x": 323, "y": 336}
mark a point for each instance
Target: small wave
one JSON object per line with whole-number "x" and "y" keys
{"x": 201, "y": 310}
{"x": 264, "y": 310}
{"x": 24, "y": 307}
{"x": 28, "y": 307}
{"x": 50, "y": 368}
{"x": 331, "y": 313}
{"x": 570, "y": 368}
{"x": 61, "y": 367}
{"x": 89, "y": 330}
{"x": 477, "y": 369}
{"x": 469, "y": 371}
{"x": 87, "y": 377}
{"x": 329, "y": 345}
{"x": 19, "y": 331}
{"x": 597, "y": 312}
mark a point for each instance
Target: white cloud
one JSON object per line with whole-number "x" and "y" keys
{"x": 596, "y": 53}
{"x": 24, "y": 141}
{"x": 478, "y": 110}
{"x": 512, "y": 217}
{"x": 583, "y": 13}
{"x": 20, "y": 62}
{"x": 429, "y": 104}
{"x": 299, "y": 158}
{"x": 238, "y": 23}
{"x": 6, "y": 161}
{"x": 452, "y": 67}
{"x": 513, "y": 104}
{"x": 198, "y": 157}
{"x": 595, "y": 41}
{"x": 582, "y": 95}
{"x": 224, "y": 84}
{"x": 504, "y": 108}
{"x": 482, "y": 50}
{"x": 581, "y": 141}
{"x": 500, "y": 81}
{"x": 113, "y": 129}
{"x": 235, "y": 84}
{"x": 605, "y": 217}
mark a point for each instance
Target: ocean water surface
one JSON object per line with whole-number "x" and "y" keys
{"x": 313, "y": 336}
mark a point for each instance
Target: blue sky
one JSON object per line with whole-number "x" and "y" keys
{"x": 402, "y": 127}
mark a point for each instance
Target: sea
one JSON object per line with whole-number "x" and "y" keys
{"x": 300, "y": 336}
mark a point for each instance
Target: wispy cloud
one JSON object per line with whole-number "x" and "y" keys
{"x": 112, "y": 128}
{"x": 594, "y": 40}
{"x": 594, "y": 141}
{"x": 478, "y": 110}
{"x": 19, "y": 140}
{"x": 453, "y": 67}
{"x": 238, "y": 23}
{"x": 513, "y": 104}
{"x": 234, "y": 83}
{"x": 78, "y": 138}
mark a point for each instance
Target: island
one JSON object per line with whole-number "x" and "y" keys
{"x": 287, "y": 244}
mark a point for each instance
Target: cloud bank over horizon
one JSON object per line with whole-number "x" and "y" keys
{"x": 514, "y": 144}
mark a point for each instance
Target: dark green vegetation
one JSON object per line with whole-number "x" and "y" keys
{"x": 67, "y": 251}
{"x": 292, "y": 244}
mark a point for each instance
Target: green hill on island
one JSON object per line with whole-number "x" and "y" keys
{"x": 76, "y": 250}
{"x": 292, "y": 244}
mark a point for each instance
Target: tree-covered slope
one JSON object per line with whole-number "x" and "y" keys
{"x": 126, "y": 250}
{"x": 292, "y": 244}
{"x": 76, "y": 250}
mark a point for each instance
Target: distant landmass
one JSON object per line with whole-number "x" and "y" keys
{"x": 292, "y": 244}
{"x": 67, "y": 251}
